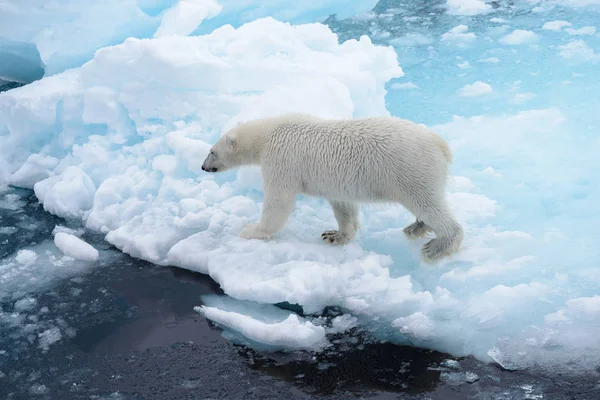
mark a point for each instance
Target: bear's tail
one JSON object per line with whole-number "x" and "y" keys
{"x": 443, "y": 146}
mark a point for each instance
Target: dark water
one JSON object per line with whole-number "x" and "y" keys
{"x": 130, "y": 332}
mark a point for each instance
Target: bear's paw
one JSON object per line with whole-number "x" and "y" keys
{"x": 252, "y": 231}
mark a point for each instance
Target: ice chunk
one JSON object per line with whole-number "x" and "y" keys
{"x": 26, "y": 257}
{"x": 36, "y": 168}
{"x": 582, "y": 308}
{"x": 48, "y": 337}
{"x": 37, "y": 389}
{"x": 291, "y": 333}
{"x": 451, "y": 364}
{"x": 459, "y": 34}
{"x": 67, "y": 33}
{"x": 519, "y": 36}
{"x": 578, "y": 50}
{"x": 11, "y": 202}
{"x": 555, "y": 25}
{"x": 74, "y": 247}
{"x": 342, "y": 323}
{"x": 265, "y": 324}
{"x": 458, "y": 378}
{"x": 68, "y": 194}
{"x": 74, "y": 232}
{"x": 8, "y": 230}
{"x": 25, "y": 304}
{"x": 417, "y": 325}
{"x": 468, "y": 7}
{"x": 18, "y": 278}
{"x": 586, "y": 30}
{"x": 475, "y": 89}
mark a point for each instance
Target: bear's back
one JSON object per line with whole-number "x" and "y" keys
{"x": 350, "y": 158}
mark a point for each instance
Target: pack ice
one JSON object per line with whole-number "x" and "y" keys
{"x": 118, "y": 143}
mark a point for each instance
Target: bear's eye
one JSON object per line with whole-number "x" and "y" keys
{"x": 212, "y": 153}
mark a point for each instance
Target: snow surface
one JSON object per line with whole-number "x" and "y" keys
{"x": 119, "y": 142}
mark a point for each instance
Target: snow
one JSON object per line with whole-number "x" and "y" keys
{"x": 73, "y": 246}
{"x": 118, "y": 143}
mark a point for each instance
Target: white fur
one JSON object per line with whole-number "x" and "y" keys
{"x": 365, "y": 160}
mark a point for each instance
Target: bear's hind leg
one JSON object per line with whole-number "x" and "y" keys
{"x": 448, "y": 232}
{"x": 346, "y": 214}
{"x": 277, "y": 207}
{"x": 416, "y": 230}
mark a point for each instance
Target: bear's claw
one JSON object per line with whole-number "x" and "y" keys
{"x": 437, "y": 248}
{"x": 335, "y": 237}
{"x": 416, "y": 230}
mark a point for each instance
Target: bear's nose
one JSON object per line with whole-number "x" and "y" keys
{"x": 203, "y": 168}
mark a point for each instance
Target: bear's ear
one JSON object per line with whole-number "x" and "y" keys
{"x": 230, "y": 141}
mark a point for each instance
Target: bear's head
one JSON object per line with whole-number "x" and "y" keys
{"x": 240, "y": 146}
{"x": 222, "y": 155}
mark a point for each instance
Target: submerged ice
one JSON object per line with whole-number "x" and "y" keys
{"x": 118, "y": 143}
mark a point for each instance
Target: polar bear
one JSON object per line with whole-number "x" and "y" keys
{"x": 347, "y": 162}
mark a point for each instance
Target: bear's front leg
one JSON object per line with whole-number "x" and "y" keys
{"x": 277, "y": 207}
{"x": 346, "y": 214}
